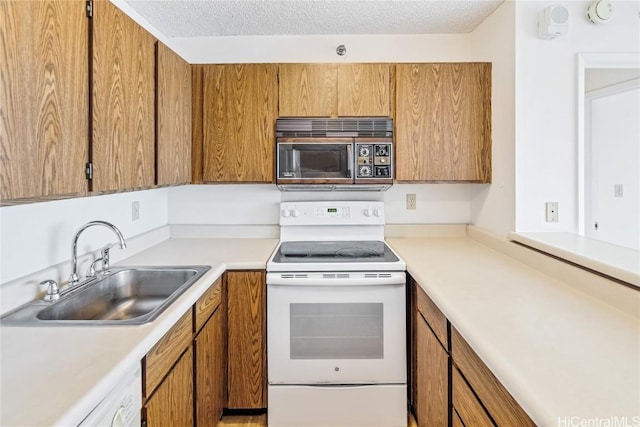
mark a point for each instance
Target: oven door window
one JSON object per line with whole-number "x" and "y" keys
{"x": 315, "y": 161}
{"x": 336, "y": 331}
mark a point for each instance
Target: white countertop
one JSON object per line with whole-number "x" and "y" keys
{"x": 56, "y": 375}
{"x": 559, "y": 351}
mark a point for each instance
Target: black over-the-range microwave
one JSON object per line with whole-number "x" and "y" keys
{"x": 348, "y": 153}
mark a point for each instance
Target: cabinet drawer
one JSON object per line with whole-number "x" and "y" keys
{"x": 207, "y": 304}
{"x": 502, "y": 407}
{"x": 434, "y": 317}
{"x": 467, "y": 407}
{"x": 164, "y": 354}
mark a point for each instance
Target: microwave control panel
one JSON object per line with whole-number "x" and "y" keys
{"x": 373, "y": 160}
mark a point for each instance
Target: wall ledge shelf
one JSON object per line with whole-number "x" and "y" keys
{"x": 611, "y": 260}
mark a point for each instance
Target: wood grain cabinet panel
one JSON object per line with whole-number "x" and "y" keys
{"x": 308, "y": 90}
{"x": 431, "y": 377}
{"x": 246, "y": 311}
{"x": 172, "y": 403}
{"x": 329, "y": 90}
{"x": 164, "y": 354}
{"x": 240, "y": 105}
{"x": 43, "y": 98}
{"x": 207, "y": 304}
{"x": 364, "y": 90}
{"x": 502, "y": 407}
{"x": 173, "y": 124}
{"x": 467, "y": 408}
{"x": 434, "y": 317}
{"x": 210, "y": 372}
{"x": 197, "y": 137}
{"x": 443, "y": 122}
{"x": 123, "y": 101}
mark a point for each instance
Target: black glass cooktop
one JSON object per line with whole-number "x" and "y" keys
{"x": 334, "y": 251}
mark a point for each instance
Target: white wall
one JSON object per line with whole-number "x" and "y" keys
{"x": 38, "y": 235}
{"x": 360, "y": 48}
{"x": 493, "y": 206}
{"x": 230, "y": 204}
{"x": 258, "y": 204}
{"x": 546, "y": 106}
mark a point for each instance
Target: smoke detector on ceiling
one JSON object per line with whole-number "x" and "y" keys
{"x": 553, "y": 21}
{"x": 600, "y": 11}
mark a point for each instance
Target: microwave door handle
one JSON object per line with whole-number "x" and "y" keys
{"x": 350, "y": 160}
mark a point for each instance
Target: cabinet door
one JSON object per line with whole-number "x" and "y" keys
{"x": 443, "y": 122}
{"x": 431, "y": 377}
{"x": 247, "y": 374}
{"x": 210, "y": 370}
{"x": 43, "y": 98}
{"x": 172, "y": 402}
{"x": 123, "y": 101}
{"x": 239, "y": 113}
{"x": 173, "y": 124}
{"x": 467, "y": 407}
{"x": 363, "y": 90}
{"x": 495, "y": 398}
{"x": 308, "y": 90}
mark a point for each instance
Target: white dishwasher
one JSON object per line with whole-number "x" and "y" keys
{"x": 121, "y": 407}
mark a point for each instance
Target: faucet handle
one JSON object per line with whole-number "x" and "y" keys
{"x": 105, "y": 257}
{"x": 53, "y": 292}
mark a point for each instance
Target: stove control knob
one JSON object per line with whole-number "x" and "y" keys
{"x": 377, "y": 212}
{"x": 368, "y": 212}
{"x": 286, "y": 213}
{"x": 295, "y": 213}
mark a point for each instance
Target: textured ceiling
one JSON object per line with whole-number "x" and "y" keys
{"x": 202, "y": 18}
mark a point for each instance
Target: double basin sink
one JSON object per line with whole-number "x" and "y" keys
{"x": 123, "y": 296}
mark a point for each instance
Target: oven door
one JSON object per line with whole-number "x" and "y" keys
{"x": 315, "y": 161}
{"x": 333, "y": 332}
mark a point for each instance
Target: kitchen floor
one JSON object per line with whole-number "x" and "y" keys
{"x": 261, "y": 421}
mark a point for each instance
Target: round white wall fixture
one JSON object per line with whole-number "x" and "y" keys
{"x": 600, "y": 11}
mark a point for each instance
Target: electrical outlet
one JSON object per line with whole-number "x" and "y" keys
{"x": 135, "y": 210}
{"x": 411, "y": 201}
{"x": 552, "y": 211}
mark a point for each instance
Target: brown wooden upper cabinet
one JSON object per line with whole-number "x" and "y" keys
{"x": 123, "y": 101}
{"x": 240, "y": 106}
{"x": 173, "y": 124}
{"x": 43, "y": 98}
{"x": 443, "y": 122}
{"x": 329, "y": 90}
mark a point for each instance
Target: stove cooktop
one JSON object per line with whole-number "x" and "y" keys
{"x": 364, "y": 251}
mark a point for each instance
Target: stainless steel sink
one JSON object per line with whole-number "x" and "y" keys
{"x": 124, "y": 296}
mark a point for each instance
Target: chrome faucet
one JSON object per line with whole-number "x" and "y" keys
{"x": 73, "y": 279}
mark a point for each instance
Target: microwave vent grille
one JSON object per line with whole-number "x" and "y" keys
{"x": 339, "y": 127}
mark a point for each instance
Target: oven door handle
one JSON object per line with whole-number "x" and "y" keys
{"x": 336, "y": 279}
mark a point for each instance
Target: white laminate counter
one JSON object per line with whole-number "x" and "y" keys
{"x": 565, "y": 356}
{"x": 560, "y": 351}
{"x": 56, "y": 375}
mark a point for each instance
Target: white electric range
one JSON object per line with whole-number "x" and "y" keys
{"x": 336, "y": 325}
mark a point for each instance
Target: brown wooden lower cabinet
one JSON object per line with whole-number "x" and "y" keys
{"x": 431, "y": 378}
{"x": 185, "y": 377}
{"x": 466, "y": 406}
{"x": 456, "y": 382}
{"x": 456, "y": 421}
{"x": 246, "y": 353}
{"x": 210, "y": 371}
{"x": 172, "y": 402}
